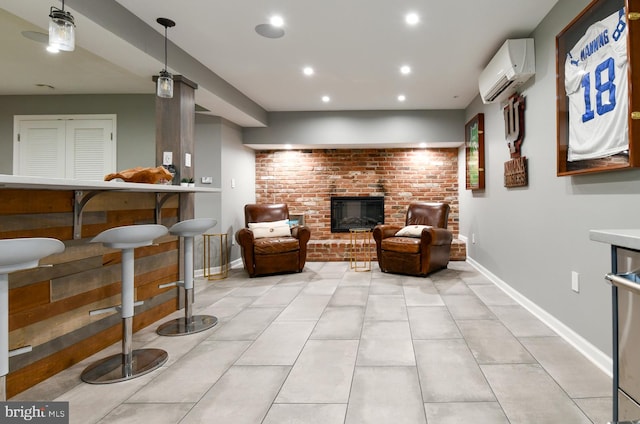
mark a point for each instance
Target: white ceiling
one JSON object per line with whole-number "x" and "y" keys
{"x": 355, "y": 46}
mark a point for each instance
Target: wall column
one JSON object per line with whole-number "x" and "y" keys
{"x": 175, "y": 132}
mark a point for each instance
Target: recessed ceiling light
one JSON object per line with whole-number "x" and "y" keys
{"x": 276, "y": 21}
{"x": 269, "y": 31}
{"x": 308, "y": 70}
{"x": 412, "y": 18}
{"x": 423, "y": 144}
{"x": 402, "y": 98}
{"x": 288, "y": 146}
{"x": 326, "y": 99}
{"x": 405, "y": 69}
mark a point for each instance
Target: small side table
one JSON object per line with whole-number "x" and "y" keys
{"x": 208, "y": 253}
{"x": 360, "y": 249}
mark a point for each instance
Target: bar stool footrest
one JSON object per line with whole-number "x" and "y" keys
{"x": 112, "y": 368}
{"x": 172, "y": 284}
{"x": 20, "y": 350}
{"x": 181, "y": 327}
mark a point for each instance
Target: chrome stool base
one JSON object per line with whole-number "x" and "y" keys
{"x": 183, "y": 326}
{"x": 112, "y": 368}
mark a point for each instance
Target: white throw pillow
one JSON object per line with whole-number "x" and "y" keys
{"x": 253, "y": 225}
{"x": 270, "y": 229}
{"x": 411, "y": 231}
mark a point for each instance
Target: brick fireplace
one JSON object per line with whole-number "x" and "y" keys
{"x": 306, "y": 179}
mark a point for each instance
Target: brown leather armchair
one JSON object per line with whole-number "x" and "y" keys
{"x": 423, "y": 250}
{"x": 271, "y": 255}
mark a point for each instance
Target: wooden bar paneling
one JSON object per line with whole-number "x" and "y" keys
{"x": 29, "y": 297}
{"x": 36, "y": 202}
{"x": 49, "y": 306}
{"x": 87, "y": 301}
{"x": 25, "y": 377}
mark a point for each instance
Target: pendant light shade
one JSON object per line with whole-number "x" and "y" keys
{"x": 164, "y": 87}
{"x": 62, "y": 30}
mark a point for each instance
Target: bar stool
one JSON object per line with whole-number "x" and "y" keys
{"x": 15, "y": 255}
{"x": 130, "y": 363}
{"x": 189, "y": 323}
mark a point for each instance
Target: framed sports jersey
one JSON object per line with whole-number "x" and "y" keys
{"x": 598, "y": 111}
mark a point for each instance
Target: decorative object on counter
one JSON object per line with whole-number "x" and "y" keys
{"x": 174, "y": 174}
{"x": 165, "y": 80}
{"x": 157, "y": 175}
{"x": 62, "y": 30}
{"x": 187, "y": 182}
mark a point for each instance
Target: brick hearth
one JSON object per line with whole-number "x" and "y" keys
{"x": 305, "y": 180}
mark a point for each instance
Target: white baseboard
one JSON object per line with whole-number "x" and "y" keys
{"x": 592, "y": 353}
{"x": 215, "y": 270}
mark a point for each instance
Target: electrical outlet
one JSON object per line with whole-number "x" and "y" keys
{"x": 575, "y": 281}
{"x": 206, "y": 180}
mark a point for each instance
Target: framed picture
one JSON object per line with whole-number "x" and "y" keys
{"x": 474, "y": 152}
{"x": 296, "y": 220}
{"x": 597, "y": 108}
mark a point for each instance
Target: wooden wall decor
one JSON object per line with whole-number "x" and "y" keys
{"x": 474, "y": 152}
{"x": 598, "y": 104}
{"x": 515, "y": 170}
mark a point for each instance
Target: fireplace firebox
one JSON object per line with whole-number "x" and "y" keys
{"x": 356, "y": 212}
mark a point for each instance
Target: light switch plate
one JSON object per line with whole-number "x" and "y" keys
{"x": 187, "y": 160}
{"x": 167, "y": 158}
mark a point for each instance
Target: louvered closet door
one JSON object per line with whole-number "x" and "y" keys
{"x": 42, "y": 148}
{"x": 90, "y": 149}
{"x": 81, "y": 147}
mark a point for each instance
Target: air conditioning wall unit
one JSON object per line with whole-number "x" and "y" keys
{"x": 512, "y": 66}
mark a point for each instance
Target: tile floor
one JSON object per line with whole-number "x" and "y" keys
{"x": 331, "y": 345}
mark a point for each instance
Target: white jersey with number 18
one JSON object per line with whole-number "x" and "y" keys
{"x": 596, "y": 78}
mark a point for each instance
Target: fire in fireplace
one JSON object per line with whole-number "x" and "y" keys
{"x": 356, "y": 212}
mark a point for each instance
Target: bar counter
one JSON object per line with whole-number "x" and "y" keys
{"x": 49, "y": 306}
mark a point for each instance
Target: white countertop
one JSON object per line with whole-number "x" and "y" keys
{"x": 621, "y": 238}
{"x": 22, "y": 182}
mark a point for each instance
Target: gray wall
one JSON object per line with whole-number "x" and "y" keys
{"x": 533, "y": 237}
{"x": 221, "y": 155}
{"x": 135, "y": 117}
{"x": 239, "y": 164}
{"x": 359, "y": 127}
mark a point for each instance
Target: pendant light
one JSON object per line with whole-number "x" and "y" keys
{"x": 164, "y": 86}
{"x": 62, "y": 29}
